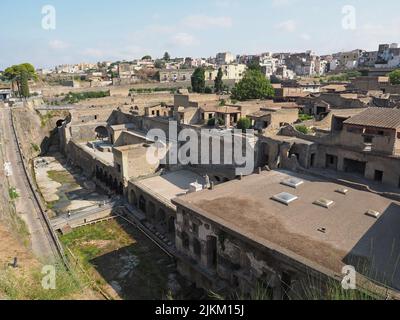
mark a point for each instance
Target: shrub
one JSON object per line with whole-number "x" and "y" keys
{"x": 302, "y": 129}
{"x": 13, "y": 194}
{"x": 244, "y": 124}
{"x": 394, "y": 77}
{"x": 305, "y": 117}
{"x": 208, "y": 90}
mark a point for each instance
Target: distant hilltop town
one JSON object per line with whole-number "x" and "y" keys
{"x": 276, "y": 66}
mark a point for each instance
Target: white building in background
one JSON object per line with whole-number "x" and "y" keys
{"x": 269, "y": 64}
{"x": 223, "y": 58}
{"x": 388, "y": 56}
{"x": 229, "y": 71}
{"x": 284, "y": 73}
{"x": 321, "y": 67}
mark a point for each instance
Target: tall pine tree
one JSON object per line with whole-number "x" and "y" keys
{"x": 199, "y": 80}
{"x": 218, "y": 83}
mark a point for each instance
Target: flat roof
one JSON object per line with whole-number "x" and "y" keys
{"x": 170, "y": 185}
{"x": 327, "y": 238}
{"x": 105, "y": 157}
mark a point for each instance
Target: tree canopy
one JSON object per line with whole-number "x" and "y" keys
{"x": 394, "y": 77}
{"x": 254, "y": 65}
{"x": 199, "y": 80}
{"x": 254, "y": 85}
{"x": 166, "y": 57}
{"x": 147, "y": 57}
{"x": 244, "y": 123}
{"x": 20, "y": 75}
{"x": 218, "y": 83}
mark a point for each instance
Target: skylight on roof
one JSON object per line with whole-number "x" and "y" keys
{"x": 373, "y": 214}
{"x": 285, "y": 198}
{"x": 293, "y": 182}
{"x": 343, "y": 191}
{"x": 325, "y": 203}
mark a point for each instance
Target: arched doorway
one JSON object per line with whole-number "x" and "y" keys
{"x": 162, "y": 217}
{"x": 101, "y": 132}
{"x": 59, "y": 123}
{"x": 197, "y": 247}
{"x": 110, "y": 181}
{"x": 151, "y": 211}
{"x": 133, "y": 198}
{"x": 142, "y": 204}
{"x": 185, "y": 241}
{"x": 121, "y": 189}
{"x": 171, "y": 225}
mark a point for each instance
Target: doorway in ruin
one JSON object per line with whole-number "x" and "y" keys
{"x": 171, "y": 226}
{"x": 121, "y": 189}
{"x": 162, "y": 216}
{"x": 378, "y": 176}
{"x": 312, "y": 160}
{"x": 142, "y": 204}
{"x": 151, "y": 210}
{"x": 59, "y": 123}
{"x": 212, "y": 252}
{"x": 185, "y": 241}
{"x": 133, "y": 198}
{"x": 101, "y": 132}
{"x": 197, "y": 248}
{"x": 354, "y": 166}
{"x": 331, "y": 162}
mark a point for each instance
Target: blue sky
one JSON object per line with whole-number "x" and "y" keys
{"x": 99, "y": 30}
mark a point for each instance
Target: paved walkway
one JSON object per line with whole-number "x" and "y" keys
{"x": 41, "y": 241}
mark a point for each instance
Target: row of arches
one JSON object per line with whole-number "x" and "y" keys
{"x": 109, "y": 181}
{"x": 155, "y": 214}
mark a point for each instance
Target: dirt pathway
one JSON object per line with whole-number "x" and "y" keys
{"x": 42, "y": 245}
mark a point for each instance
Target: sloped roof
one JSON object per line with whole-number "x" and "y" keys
{"x": 377, "y": 117}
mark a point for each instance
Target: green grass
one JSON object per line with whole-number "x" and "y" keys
{"x": 100, "y": 231}
{"x": 76, "y": 97}
{"x": 60, "y": 176}
{"x": 29, "y": 287}
{"x": 44, "y": 119}
{"x": 51, "y": 205}
{"x": 13, "y": 194}
{"x": 35, "y": 147}
{"x": 99, "y": 240}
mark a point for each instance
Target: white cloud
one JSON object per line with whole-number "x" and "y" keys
{"x": 205, "y": 22}
{"x": 58, "y": 45}
{"x": 184, "y": 39}
{"x": 287, "y": 26}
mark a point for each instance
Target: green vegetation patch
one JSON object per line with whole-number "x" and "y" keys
{"x": 303, "y": 129}
{"x": 305, "y": 117}
{"x": 76, "y": 97}
{"x": 35, "y": 147}
{"x": 29, "y": 287}
{"x": 62, "y": 177}
{"x": 13, "y": 193}
{"x": 114, "y": 251}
